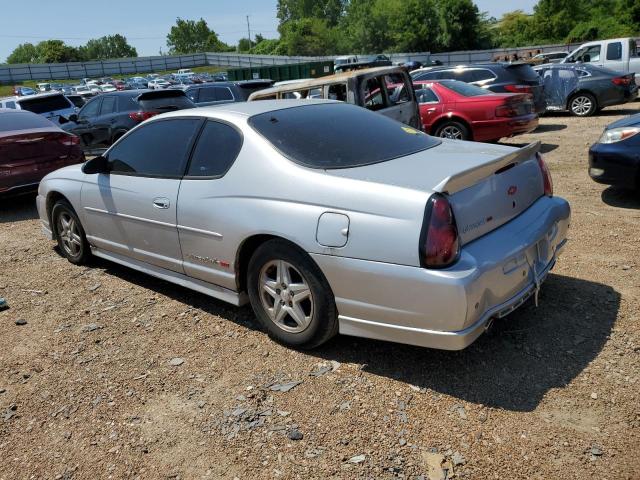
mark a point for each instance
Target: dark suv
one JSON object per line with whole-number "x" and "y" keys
{"x": 496, "y": 77}
{"x": 109, "y": 116}
{"x": 203, "y": 94}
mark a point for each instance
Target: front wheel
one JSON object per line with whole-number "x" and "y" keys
{"x": 69, "y": 233}
{"x": 290, "y": 296}
{"x": 583, "y": 105}
{"x": 453, "y": 130}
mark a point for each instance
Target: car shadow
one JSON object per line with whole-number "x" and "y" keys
{"x": 511, "y": 367}
{"x": 18, "y": 208}
{"x": 621, "y": 198}
{"x": 544, "y": 147}
{"x": 613, "y": 111}
{"x": 549, "y": 127}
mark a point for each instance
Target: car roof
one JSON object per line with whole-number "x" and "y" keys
{"x": 29, "y": 97}
{"x": 244, "y": 109}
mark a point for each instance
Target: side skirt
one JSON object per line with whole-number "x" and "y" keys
{"x": 215, "y": 291}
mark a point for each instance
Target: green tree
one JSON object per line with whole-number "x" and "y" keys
{"x": 56, "y": 51}
{"x": 330, "y": 11}
{"x": 245, "y": 45}
{"x": 308, "y": 37}
{"x": 110, "y": 46}
{"x": 189, "y": 36}
{"x": 268, "y": 47}
{"x": 514, "y": 29}
{"x": 461, "y": 24}
{"x": 416, "y": 26}
{"x": 23, "y": 53}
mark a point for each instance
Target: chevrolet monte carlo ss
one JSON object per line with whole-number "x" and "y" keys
{"x": 325, "y": 216}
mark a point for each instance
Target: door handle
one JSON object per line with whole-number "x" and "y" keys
{"x": 431, "y": 110}
{"x": 161, "y": 203}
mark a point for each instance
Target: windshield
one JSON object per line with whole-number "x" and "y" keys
{"x": 338, "y": 135}
{"x": 464, "y": 89}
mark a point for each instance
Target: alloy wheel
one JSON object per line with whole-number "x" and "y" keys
{"x": 451, "y": 131}
{"x": 286, "y": 296}
{"x": 581, "y": 105}
{"x": 69, "y": 233}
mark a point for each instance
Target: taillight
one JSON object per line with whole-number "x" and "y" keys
{"x": 439, "y": 242}
{"x": 546, "y": 176}
{"x": 518, "y": 88}
{"x": 141, "y": 116}
{"x": 69, "y": 140}
{"x": 621, "y": 81}
{"x": 506, "y": 111}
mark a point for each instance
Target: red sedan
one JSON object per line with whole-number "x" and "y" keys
{"x": 30, "y": 147}
{"x": 458, "y": 110}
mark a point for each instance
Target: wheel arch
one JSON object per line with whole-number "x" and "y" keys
{"x": 578, "y": 92}
{"x": 451, "y": 117}
{"x": 54, "y": 197}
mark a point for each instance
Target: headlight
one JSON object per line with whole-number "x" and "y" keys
{"x": 618, "y": 134}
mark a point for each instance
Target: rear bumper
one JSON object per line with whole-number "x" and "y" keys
{"x": 507, "y": 127}
{"x": 615, "y": 164}
{"x": 449, "y": 309}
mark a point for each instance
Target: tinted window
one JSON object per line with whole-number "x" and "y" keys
{"x": 372, "y": 93}
{"x": 337, "y": 92}
{"x": 207, "y": 95}
{"x": 126, "y": 103}
{"x": 338, "y": 135}
{"x": 166, "y": 104}
{"x": 10, "y": 105}
{"x": 481, "y": 75}
{"x": 425, "y": 94}
{"x": 108, "y": 105}
{"x": 522, "y": 72}
{"x": 614, "y": 51}
{"x": 464, "y": 89}
{"x": 633, "y": 48}
{"x": 45, "y": 104}
{"x": 90, "y": 109}
{"x": 217, "y": 148}
{"x": 21, "y": 121}
{"x": 193, "y": 94}
{"x": 158, "y": 149}
{"x": 223, "y": 93}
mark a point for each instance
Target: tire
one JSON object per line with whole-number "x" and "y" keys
{"x": 583, "y": 105}
{"x": 69, "y": 233}
{"x": 306, "y": 322}
{"x": 453, "y": 130}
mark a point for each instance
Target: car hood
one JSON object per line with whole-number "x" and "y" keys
{"x": 632, "y": 121}
{"x": 425, "y": 170}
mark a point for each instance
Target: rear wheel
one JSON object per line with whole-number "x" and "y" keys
{"x": 69, "y": 233}
{"x": 290, "y": 296}
{"x": 583, "y": 105}
{"x": 453, "y": 130}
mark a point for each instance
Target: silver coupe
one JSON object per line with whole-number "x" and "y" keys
{"x": 326, "y": 217}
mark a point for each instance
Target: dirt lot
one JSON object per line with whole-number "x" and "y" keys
{"x": 118, "y": 375}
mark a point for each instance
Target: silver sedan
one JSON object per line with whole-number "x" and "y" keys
{"x": 326, "y": 217}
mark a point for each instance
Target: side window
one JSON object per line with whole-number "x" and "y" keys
{"x": 614, "y": 51}
{"x": 223, "y": 94}
{"x": 217, "y": 148}
{"x": 159, "y": 149}
{"x": 633, "y": 48}
{"x": 207, "y": 95}
{"x": 466, "y": 76}
{"x": 108, "y": 105}
{"x": 425, "y": 94}
{"x": 90, "y": 109}
{"x": 10, "y": 105}
{"x": 337, "y": 91}
{"x": 592, "y": 54}
{"x": 396, "y": 88}
{"x": 126, "y": 103}
{"x": 481, "y": 75}
{"x": 193, "y": 94}
{"x": 372, "y": 93}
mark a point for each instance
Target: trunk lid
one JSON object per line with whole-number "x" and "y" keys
{"x": 487, "y": 185}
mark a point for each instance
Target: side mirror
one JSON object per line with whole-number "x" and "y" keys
{"x": 98, "y": 164}
{"x": 586, "y": 58}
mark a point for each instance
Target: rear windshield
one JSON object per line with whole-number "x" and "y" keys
{"x": 523, "y": 72}
{"x": 464, "y": 89}
{"x": 45, "y": 104}
{"x": 166, "y": 104}
{"x": 22, "y": 121}
{"x": 338, "y": 135}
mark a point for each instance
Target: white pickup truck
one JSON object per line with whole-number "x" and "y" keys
{"x": 620, "y": 54}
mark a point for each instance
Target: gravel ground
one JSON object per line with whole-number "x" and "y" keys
{"x": 118, "y": 375}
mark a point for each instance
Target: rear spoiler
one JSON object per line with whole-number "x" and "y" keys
{"x": 168, "y": 93}
{"x": 470, "y": 177}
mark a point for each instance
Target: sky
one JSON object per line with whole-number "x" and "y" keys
{"x": 146, "y": 23}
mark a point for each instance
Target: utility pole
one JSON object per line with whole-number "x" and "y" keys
{"x": 249, "y": 32}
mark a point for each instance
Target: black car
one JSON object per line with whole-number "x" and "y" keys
{"x": 615, "y": 158}
{"x": 496, "y": 77}
{"x": 109, "y": 116}
{"x": 203, "y": 94}
{"x": 584, "y": 89}
{"x": 77, "y": 100}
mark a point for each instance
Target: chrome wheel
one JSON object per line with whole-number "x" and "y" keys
{"x": 286, "y": 296}
{"x": 69, "y": 234}
{"x": 451, "y": 131}
{"x": 581, "y": 105}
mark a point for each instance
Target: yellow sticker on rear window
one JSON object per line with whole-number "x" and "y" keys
{"x": 410, "y": 130}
